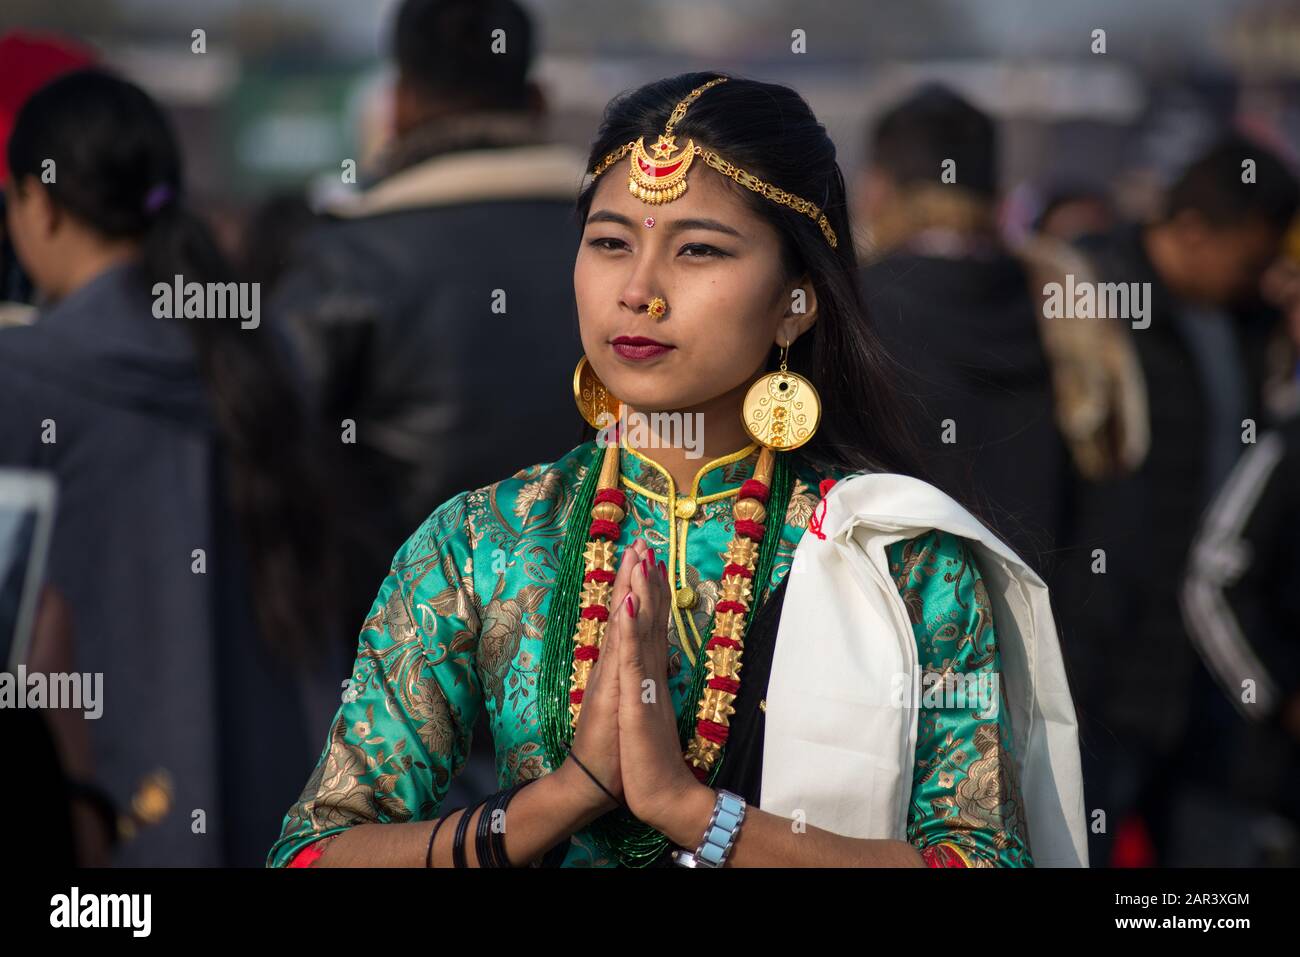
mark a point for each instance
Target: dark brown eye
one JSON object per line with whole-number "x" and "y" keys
{"x": 706, "y": 252}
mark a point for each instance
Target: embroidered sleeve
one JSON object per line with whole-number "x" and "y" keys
{"x": 966, "y": 808}
{"x": 403, "y": 729}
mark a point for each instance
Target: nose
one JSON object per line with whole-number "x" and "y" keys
{"x": 642, "y": 284}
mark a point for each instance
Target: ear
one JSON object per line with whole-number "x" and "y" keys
{"x": 800, "y": 311}
{"x": 409, "y": 106}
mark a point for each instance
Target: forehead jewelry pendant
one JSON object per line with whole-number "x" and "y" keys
{"x": 661, "y": 179}
{"x": 657, "y": 307}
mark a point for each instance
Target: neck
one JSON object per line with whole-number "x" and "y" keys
{"x": 88, "y": 262}
{"x": 715, "y": 426}
{"x": 1165, "y": 253}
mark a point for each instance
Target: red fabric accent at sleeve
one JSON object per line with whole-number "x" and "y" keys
{"x": 942, "y": 855}
{"x": 308, "y": 855}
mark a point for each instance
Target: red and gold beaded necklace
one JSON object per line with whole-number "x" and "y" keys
{"x": 726, "y": 643}
{"x": 575, "y": 628}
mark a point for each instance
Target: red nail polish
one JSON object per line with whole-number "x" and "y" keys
{"x": 663, "y": 570}
{"x": 631, "y": 606}
{"x": 652, "y": 556}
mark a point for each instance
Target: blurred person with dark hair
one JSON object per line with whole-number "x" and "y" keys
{"x": 192, "y": 541}
{"x": 435, "y": 312}
{"x": 27, "y": 62}
{"x": 954, "y": 306}
{"x": 1147, "y": 723}
{"x": 456, "y": 251}
{"x": 271, "y": 236}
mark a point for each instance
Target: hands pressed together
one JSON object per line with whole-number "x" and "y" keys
{"x": 626, "y": 734}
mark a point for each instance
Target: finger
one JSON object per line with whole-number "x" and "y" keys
{"x": 630, "y": 610}
{"x": 648, "y": 587}
{"x": 622, "y": 579}
{"x": 610, "y": 644}
{"x": 659, "y": 587}
{"x": 657, "y": 594}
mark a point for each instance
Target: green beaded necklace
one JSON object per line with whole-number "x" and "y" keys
{"x": 633, "y": 842}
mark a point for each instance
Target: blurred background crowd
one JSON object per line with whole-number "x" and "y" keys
{"x": 379, "y": 171}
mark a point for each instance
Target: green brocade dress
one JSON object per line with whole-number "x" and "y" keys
{"x": 457, "y": 627}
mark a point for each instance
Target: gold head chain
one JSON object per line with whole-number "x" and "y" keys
{"x": 662, "y": 179}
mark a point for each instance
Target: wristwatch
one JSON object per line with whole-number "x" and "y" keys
{"x": 719, "y": 836}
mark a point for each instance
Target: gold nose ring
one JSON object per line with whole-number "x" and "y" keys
{"x": 657, "y": 307}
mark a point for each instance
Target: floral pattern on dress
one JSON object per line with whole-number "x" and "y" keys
{"x": 456, "y": 631}
{"x": 965, "y": 789}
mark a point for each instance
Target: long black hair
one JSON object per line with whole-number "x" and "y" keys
{"x": 770, "y": 131}
{"x": 118, "y": 171}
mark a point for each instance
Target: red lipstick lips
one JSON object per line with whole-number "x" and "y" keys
{"x": 638, "y": 348}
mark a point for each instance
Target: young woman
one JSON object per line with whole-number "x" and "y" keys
{"x": 191, "y": 542}
{"x": 708, "y": 659}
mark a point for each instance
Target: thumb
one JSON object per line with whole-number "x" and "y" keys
{"x": 607, "y": 661}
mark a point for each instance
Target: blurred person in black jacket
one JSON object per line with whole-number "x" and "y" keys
{"x": 1140, "y": 690}
{"x": 434, "y": 312}
{"x": 955, "y": 308}
{"x": 459, "y": 248}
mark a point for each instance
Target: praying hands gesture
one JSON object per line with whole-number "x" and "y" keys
{"x": 627, "y": 729}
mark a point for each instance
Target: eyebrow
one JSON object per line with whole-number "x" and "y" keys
{"x": 676, "y": 226}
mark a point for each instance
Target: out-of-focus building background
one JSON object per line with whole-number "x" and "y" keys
{"x": 287, "y": 87}
{"x": 1098, "y": 107}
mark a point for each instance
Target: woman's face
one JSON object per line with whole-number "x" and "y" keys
{"x": 717, "y": 265}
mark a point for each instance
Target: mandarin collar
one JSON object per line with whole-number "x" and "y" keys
{"x": 716, "y": 477}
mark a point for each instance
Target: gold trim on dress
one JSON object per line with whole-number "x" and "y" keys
{"x": 684, "y": 596}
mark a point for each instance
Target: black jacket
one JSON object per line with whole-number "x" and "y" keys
{"x": 966, "y": 337}
{"x": 392, "y": 307}
{"x": 1125, "y": 637}
{"x": 391, "y": 304}
{"x": 1241, "y": 600}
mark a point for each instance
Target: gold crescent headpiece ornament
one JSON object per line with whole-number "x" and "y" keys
{"x": 662, "y": 179}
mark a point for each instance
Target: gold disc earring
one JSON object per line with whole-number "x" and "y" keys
{"x": 781, "y": 409}
{"x": 598, "y": 405}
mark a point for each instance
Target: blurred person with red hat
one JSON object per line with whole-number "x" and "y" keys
{"x": 27, "y": 62}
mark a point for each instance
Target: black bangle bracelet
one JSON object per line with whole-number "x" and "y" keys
{"x": 458, "y": 846}
{"x": 481, "y": 832}
{"x": 428, "y": 855}
{"x": 497, "y": 839}
{"x": 486, "y": 838}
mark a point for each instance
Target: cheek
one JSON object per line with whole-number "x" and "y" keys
{"x": 13, "y": 222}
{"x": 732, "y": 338}
{"x": 1241, "y": 272}
{"x": 18, "y": 228}
{"x": 587, "y": 288}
